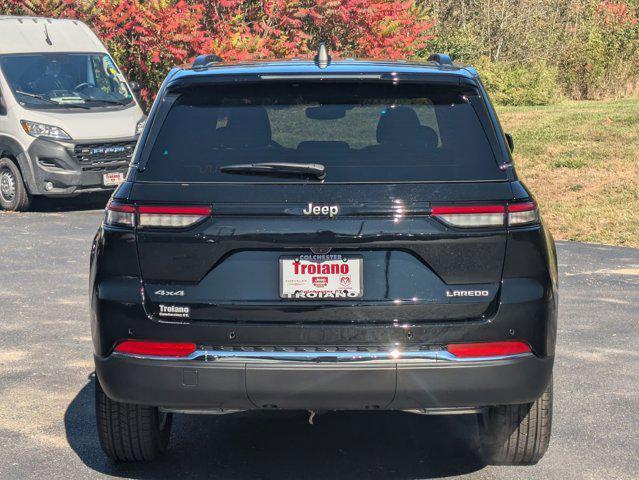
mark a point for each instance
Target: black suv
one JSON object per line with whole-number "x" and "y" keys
{"x": 345, "y": 235}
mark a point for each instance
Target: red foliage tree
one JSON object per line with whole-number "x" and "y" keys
{"x": 289, "y": 28}
{"x": 616, "y": 15}
{"x": 41, "y": 8}
{"x": 147, "y": 37}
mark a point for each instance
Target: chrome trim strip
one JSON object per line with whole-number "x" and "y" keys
{"x": 201, "y": 411}
{"x": 416, "y": 411}
{"x": 447, "y": 411}
{"x": 393, "y": 356}
{"x": 321, "y": 76}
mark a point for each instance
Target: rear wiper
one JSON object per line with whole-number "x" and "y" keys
{"x": 53, "y": 102}
{"x": 315, "y": 169}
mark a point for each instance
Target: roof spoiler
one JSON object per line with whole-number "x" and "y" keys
{"x": 202, "y": 61}
{"x": 441, "y": 59}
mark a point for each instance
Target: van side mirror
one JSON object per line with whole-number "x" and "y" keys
{"x": 135, "y": 89}
{"x": 3, "y": 106}
{"x": 510, "y": 141}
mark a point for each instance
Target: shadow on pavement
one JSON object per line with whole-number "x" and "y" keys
{"x": 88, "y": 201}
{"x": 377, "y": 445}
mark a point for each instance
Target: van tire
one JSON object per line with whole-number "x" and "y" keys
{"x": 517, "y": 434}
{"x": 13, "y": 192}
{"x": 130, "y": 432}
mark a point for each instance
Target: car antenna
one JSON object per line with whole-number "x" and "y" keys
{"x": 322, "y": 59}
{"x": 46, "y": 36}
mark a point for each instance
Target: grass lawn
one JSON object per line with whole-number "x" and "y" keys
{"x": 581, "y": 160}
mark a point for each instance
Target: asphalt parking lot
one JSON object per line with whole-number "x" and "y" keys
{"x": 46, "y": 384}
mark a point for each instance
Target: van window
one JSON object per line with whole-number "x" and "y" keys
{"x": 43, "y": 80}
{"x": 361, "y": 132}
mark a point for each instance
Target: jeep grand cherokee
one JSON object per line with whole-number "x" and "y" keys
{"x": 345, "y": 235}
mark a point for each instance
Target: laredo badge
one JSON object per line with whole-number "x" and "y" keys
{"x": 174, "y": 311}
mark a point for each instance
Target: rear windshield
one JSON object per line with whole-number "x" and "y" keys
{"x": 360, "y": 132}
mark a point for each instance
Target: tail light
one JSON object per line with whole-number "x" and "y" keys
{"x": 489, "y": 349}
{"x": 150, "y": 216}
{"x": 155, "y": 349}
{"x": 522, "y": 213}
{"x": 477, "y": 216}
{"x": 469, "y": 216}
{"x": 171, "y": 217}
{"x": 120, "y": 215}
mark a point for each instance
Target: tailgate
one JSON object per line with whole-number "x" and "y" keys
{"x": 413, "y": 266}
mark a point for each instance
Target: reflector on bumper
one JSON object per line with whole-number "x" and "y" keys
{"x": 488, "y": 349}
{"x": 155, "y": 349}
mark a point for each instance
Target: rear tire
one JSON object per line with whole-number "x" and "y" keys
{"x": 517, "y": 434}
{"x": 129, "y": 432}
{"x": 13, "y": 192}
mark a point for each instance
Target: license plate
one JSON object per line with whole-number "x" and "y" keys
{"x": 112, "y": 179}
{"x": 315, "y": 277}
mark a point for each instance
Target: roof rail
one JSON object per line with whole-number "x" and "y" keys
{"x": 202, "y": 61}
{"x": 440, "y": 58}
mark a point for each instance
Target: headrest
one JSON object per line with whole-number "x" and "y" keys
{"x": 398, "y": 125}
{"x": 246, "y": 127}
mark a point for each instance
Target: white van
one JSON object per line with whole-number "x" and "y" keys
{"x": 68, "y": 119}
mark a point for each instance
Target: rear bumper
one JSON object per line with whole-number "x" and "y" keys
{"x": 413, "y": 380}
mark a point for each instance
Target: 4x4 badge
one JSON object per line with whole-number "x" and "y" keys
{"x": 169, "y": 293}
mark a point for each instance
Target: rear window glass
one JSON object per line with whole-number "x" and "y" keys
{"x": 360, "y": 132}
